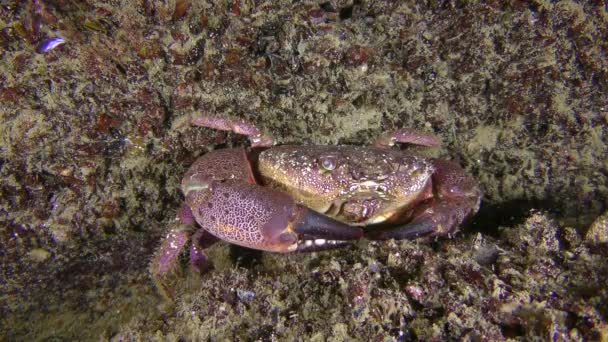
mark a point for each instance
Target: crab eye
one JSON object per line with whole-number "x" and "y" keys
{"x": 328, "y": 163}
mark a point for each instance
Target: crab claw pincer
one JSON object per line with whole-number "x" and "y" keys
{"x": 318, "y": 232}
{"x": 262, "y": 218}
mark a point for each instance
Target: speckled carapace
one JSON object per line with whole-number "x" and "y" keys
{"x": 353, "y": 184}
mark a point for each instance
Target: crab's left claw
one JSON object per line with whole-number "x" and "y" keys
{"x": 456, "y": 199}
{"x": 262, "y": 218}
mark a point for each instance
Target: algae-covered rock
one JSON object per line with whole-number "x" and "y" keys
{"x": 93, "y": 144}
{"x": 598, "y": 231}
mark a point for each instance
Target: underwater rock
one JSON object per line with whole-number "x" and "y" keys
{"x": 598, "y": 231}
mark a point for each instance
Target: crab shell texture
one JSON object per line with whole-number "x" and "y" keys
{"x": 356, "y": 185}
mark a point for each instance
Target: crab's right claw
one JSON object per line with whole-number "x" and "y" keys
{"x": 262, "y": 218}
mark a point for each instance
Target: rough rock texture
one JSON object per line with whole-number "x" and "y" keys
{"x": 94, "y": 140}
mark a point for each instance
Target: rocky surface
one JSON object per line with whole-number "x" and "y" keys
{"x": 94, "y": 140}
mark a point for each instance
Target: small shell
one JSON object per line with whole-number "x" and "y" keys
{"x": 49, "y": 44}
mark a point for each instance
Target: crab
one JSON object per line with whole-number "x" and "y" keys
{"x": 310, "y": 198}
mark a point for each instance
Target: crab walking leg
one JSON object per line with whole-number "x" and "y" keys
{"x": 172, "y": 245}
{"x": 174, "y": 242}
{"x": 406, "y": 136}
{"x": 456, "y": 198}
{"x": 239, "y": 126}
{"x": 199, "y": 261}
{"x": 166, "y": 259}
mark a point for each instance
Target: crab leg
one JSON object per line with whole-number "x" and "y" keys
{"x": 239, "y": 126}
{"x": 165, "y": 260}
{"x": 201, "y": 240}
{"x": 171, "y": 247}
{"x": 456, "y": 198}
{"x": 406, "y": 136}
